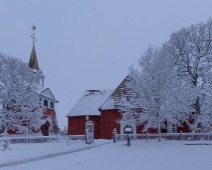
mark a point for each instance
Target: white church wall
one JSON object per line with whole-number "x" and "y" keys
{"x": 48, "y": 93}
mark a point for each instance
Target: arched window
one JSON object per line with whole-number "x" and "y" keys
{"x": 128, "y": 129}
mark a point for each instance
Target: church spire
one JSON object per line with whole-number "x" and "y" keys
{"x": 33, "y": 61}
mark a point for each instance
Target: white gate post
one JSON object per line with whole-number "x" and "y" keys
{"x": 86, "y": 137}
{"x": 89, "y": 131}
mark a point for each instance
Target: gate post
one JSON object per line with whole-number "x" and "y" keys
{"x": 67, "y": 141}
{"x": 128, "y": 139}
{"x": 87, "y": 138}
{"x": 181, "y": 136}
{"x": 147, "y": 136}
{"x": 89, "y": 131}
{"x": 57, "y": 138}
{"x": 114, "y": 135}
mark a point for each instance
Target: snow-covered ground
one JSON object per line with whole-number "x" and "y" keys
{"x": 24, "y": 151}
{"x": 141, "y": 155}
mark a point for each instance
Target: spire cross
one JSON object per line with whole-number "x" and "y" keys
{"x": 33, "y": 35}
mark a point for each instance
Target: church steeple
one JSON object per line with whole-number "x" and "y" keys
{"x": 33, "y": 61}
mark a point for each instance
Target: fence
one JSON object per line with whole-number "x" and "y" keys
{"x": 21, "y": 138}
{"x": 167, "y": 136}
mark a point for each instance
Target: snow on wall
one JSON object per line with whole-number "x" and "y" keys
{"x": 89, "y": 103}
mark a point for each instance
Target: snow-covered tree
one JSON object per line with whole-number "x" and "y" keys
{"x": 65, "y": 131}
{"x": 20, "y": 110}
{"x": 157, "y": 90}
{"x": 191, "y": 48}
{"x": 4, "y": 141}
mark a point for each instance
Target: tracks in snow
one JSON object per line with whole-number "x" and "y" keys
{"x": 48, "y": 156}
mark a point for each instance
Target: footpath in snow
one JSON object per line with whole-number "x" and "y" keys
{"x": 24, "y": 153}
{"x": 141, "y": 155}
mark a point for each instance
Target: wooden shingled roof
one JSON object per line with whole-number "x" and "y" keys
{"x": 119, "y": 98}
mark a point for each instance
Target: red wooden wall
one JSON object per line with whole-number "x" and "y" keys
{"x": 105, "y": 124}
{"x": 76, "y": 125}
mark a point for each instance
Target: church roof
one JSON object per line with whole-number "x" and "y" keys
{"x": 33, "y": 61}
{"x": 119, "y": 98}
{"x": 46, "y": 92}
{"x": 89, "y": 103}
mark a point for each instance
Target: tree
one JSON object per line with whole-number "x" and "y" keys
{"x": 157, "y": 90}
{"x": 65, "y": 131}
{"x": 4, "y": 141}
{"x": 191, "y": 49}
{"x": 20, "y": 108}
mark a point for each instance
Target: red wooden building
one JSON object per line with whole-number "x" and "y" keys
{"x": 103, "y": 108}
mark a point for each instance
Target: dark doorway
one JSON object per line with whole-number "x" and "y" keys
{"x": 46, "y": 130}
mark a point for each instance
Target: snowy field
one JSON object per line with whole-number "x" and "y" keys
{"x": 141, "y": 155}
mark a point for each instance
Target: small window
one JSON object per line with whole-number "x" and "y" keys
{"x": 46, "y": 103}
{"x": 172, "y": 128}
{"x": 52, "y": 105}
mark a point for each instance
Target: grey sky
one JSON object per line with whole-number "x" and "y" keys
{"x": 90, "y": 44}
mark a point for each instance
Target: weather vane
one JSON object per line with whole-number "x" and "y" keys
{"x": 33, "y": 35}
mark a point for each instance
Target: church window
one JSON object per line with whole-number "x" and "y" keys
{"x": 46, "y": 103}
{"x": 52, "y": 105}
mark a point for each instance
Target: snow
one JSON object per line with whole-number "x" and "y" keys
{"x": 46, "y": 92}
{"x": 108, "y": 104}
{"x": 24, "y": 151}
{"x": 90, "y": 102}
{"x": 152, "y": 155}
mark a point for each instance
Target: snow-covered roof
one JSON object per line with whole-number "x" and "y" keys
{"x": 89, "y": 103}
{"x": 46, "y": 92}
{"x": 119, "y": 98}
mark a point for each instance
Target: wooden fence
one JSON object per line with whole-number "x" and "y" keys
{"x": 167, "y": 136}
{"x": 21, "y": 138}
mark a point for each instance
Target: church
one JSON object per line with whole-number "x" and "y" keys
{"x": 102, "y": 107}
{"x": 47, "y": 99}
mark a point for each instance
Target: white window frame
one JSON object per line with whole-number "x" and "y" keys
{"x": 170, "y": 128}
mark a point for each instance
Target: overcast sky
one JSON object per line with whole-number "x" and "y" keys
{"x": 85, "y": 45}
